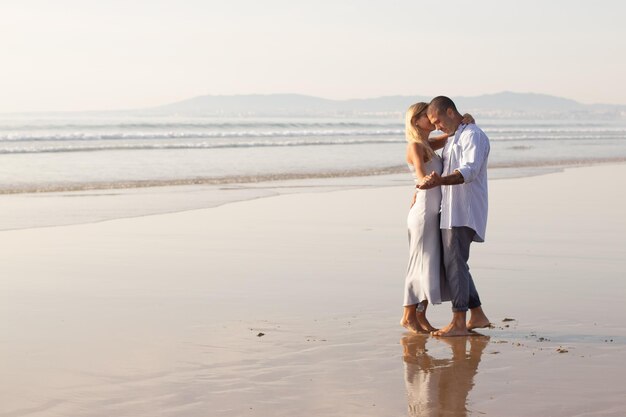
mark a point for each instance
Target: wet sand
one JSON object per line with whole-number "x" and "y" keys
{"x": 289, "y": 305}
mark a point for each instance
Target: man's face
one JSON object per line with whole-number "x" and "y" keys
{"x": 441, "y": 120}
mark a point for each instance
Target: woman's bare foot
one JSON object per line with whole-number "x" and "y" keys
{"x": 412, "y": 326}
{"x": 424, "y": 323}
{"x": 410, "y": 320}
{"x": 478, "y": 319}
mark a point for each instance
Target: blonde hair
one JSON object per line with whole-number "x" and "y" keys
{"x": 413, "y": 134}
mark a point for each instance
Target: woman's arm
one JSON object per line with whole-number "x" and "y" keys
{"x": 416, "y": 158}
{"x": 468, "y": 119}
{"x": 438, "y": 142}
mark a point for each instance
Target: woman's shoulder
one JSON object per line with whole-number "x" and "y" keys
{"x": 417, "y": 148}
{"x": 421, "y": 154}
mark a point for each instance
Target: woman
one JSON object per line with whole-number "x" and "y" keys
{"x": 425, "y": 280}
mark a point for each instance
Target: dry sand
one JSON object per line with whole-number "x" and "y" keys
{"x": 289, "y": 306}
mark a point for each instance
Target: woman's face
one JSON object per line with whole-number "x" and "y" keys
{"x": 422, "y": 122}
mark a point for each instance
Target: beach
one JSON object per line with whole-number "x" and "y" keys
{"x": 277, "y": 304}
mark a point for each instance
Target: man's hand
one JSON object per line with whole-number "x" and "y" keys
{"x": 430, "y": 181}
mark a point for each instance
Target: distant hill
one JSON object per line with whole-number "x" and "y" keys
{"x": 505, "y": 104}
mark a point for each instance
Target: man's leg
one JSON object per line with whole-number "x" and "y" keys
{"x": 456, "y": 244}
{"x": 473, "y": 300}
{"x": 456, "y": 250}
{"x": 478, "y": 319}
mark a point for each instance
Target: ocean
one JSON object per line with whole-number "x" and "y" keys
{"x": 60, "y": 170}
{"x": 62, "y": 153}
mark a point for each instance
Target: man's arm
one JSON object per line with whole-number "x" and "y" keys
{"x": 474, "y": 152}
{"x": 435, "y": 180}
{"x": 455, "y": 178}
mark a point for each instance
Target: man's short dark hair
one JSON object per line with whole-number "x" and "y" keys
{"x": 442, "y": 103}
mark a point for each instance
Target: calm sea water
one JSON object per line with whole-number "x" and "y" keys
{"x": 85, "y": 152}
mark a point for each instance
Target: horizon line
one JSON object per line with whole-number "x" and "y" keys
{"x": 26, "y": 112}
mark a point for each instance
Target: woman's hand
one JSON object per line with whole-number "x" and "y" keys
{"x": 424, "y": 181}
{"x": 468, "y": 119}
{"x": 430, "y": 181}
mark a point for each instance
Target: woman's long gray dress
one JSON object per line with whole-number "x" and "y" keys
{"x": 425, "y": 279}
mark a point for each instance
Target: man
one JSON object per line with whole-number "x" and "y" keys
{"x": 463, "y": 210}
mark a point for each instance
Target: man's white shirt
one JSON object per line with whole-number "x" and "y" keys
{"x": 466, "y": 204}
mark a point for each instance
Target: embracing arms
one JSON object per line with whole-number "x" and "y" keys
{"x": 435, "y": 180}
{"x": 469, "y": 155}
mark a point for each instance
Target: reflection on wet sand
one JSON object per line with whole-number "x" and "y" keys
{"x": 439, "y": 387}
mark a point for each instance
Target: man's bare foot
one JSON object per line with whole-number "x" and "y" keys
{"x": 452, "y": 330}
{"x": 479, "y": 325}
{"x": 456, "y": 327}
{"x": 448, "y": 327}
{"x": 443, "y": 329}
{"x": 412, "y": 326}
{"x": 478, "y": 320}
{"x": 423, "y": 322}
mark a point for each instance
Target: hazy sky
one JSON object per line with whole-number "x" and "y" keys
{"x": 110, "y": 54}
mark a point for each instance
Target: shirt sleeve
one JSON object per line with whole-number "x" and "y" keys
{"x": 474, "y": 152}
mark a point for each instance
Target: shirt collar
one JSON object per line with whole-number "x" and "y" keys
{"x": 460, "y": 129}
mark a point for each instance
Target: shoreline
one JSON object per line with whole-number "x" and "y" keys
{"x": 294, "y": 176}
{"x": 62, "y": 208}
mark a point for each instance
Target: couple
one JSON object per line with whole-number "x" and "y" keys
{"x": 449, "y": 211}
